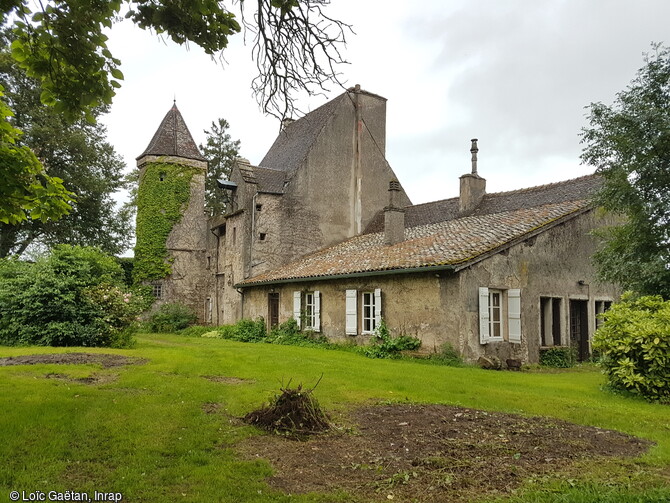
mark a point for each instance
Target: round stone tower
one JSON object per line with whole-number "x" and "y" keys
{"x": 171, "y": 231}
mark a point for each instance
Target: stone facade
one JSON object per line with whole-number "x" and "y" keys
{"x": 322, "y": 231}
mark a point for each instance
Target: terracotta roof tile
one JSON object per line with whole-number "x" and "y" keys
{"x": 451, "y": 242}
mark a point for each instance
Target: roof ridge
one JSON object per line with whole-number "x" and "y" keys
{"x": 541, "y": 187}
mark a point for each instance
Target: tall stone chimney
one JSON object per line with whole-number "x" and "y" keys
{"x": 394, "y": 216}
{"x": 473, "y": 186}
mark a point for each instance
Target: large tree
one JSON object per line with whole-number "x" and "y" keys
{"x": 628, "y": 143}
{"x": 77, "y": 153}
{"x": 221, "y": 152}
{"x": 62, "y": 44}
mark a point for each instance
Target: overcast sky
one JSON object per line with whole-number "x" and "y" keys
{"x": 516, "y": 74}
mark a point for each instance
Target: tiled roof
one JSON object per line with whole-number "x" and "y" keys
{"x": 173, "y": 138}
{"x": 294, "y": 142}
{"x": 447, "y": 209}
{"x": 452, "y": 241}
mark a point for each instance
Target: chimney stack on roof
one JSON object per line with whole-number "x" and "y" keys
{"x": 473, "y": 186}
{"x": 394, "y": 216}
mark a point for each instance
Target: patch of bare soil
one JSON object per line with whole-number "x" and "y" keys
{"x": 228, "y": 380}
{"x": 434, "y": 453}
{"x": 106, "y": 360}
{"x": 93, "y": 379}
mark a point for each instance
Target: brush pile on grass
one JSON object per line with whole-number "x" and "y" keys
{"x": 294, "y": 413}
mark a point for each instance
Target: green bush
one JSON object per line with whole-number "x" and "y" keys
{"x": 171, "y": 318}
{"x": 196, "y": 330}
{"x": 634, "y": 343}
{"x": 74, "y": 296}
{"x": 244, "y": 331}
{"x": 558, "y": 357}
{"x": 386, "y": 346}
{"x": 448, "y": 355}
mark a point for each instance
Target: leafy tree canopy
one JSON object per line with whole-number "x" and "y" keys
{"x": 63, "y": 45}
{"x": 221, "y": 152}
{"x": 76, "y": 153}
{"x": 629, "y": 145}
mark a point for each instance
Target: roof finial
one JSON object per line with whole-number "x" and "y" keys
{"x": 174, "y": 101}
{"x": 474, "y": 150}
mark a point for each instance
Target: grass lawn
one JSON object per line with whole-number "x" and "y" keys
{"x": 141, "y": 430}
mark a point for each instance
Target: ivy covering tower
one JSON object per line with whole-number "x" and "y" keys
{"x": 171, "y": 227}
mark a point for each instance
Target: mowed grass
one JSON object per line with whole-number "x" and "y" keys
{"x": 145, "y": 433}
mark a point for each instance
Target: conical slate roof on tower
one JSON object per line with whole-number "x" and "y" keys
{"x": 173, "y": 138}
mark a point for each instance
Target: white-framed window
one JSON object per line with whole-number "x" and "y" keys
{"x": 307, "y": 309}
{"x": 495, "y": 314}
{"x": 370, "y": 311}
{"x": 499, "y": 315}
{"x": 368, "y": 320}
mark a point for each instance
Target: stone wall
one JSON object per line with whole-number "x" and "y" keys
{"x": 443, "y": 307}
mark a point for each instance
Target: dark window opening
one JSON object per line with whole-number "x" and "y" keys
{"x": 262, "y": 236}
{"x": 273, "y": 309}
{"x": 259, "y": 207}
{"x": 161, "y": 176}
{"x": 550, "y": 321}
{"x": 234, "y": 234}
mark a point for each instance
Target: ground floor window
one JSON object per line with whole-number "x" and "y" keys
{"x": 495, "y": 314}
{"x": 370, "y": 313}
{"x": 601, "y": 306}
{"x": 307, "y": 310}
{"x": 499, "y": 315}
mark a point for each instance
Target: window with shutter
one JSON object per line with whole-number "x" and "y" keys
{"x": 351, "y": 310}
{"x": 483, "y": 315}
{"x": 514, "y": 314}
{"x": 296, "y": 307}
{"x": 316, "y": 326}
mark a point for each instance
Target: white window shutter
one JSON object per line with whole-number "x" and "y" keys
{"x": 296, "y": 307}
{"x": 351, "y": 308}
{"x": 483, "y": 315}
{"x": 514, "y": 314}
{"x": 317, "y": 311}
{"x": 378, "y": 306}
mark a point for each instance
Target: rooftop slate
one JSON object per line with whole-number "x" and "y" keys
{"x": 438, "y": 236}
{"x": 294, "y": 142}
{"x": 173, "y": 138}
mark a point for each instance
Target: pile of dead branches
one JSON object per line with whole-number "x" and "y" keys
{"x": 294, "y": 413}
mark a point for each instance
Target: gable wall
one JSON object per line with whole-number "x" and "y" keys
{"x": 550, "y": 265}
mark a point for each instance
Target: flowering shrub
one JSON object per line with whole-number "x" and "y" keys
{"x": 634, "y": 342}
{"x": 75, "y": 296}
